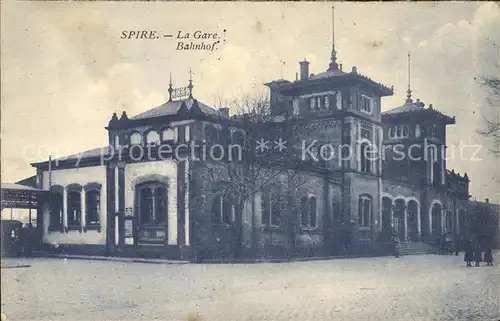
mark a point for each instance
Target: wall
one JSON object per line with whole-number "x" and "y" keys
{"x": 363, "y": 184}
{"x": 166, "y": 168}
{"x": 82, "y": 176}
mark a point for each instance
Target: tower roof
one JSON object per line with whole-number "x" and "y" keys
{"x": 417, "y": 108}
{"x": 172, "y": 107}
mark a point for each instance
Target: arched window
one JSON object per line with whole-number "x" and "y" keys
{"x": 117, "y": 141}
{"x": 135, "y": 138}
{"x": 391, "y": 132}
{"x": 211, "y": 133}
{"x": 74, "y": 208}
{"x": 398, "y": 131}
{"x": 168, "y": 134}
{"x": 56, "y": 208}
{"x": 436, "y": 219}
{"x": 448, "y": 222}
{"x": 417, "y": 131}
{"x": 92, "y": 205}
{"x": 221, "y": 210}
{"x": 272, "y": 207}
{"x": 153, "y": 137}
{"x": 237, "y": 146}
{"x": 406, "y": 131}
{"x": 365, "y": 158}
{"x": 152, "y": 203}
{"x": 309, "y": 212}
{"x": 238, "y": 138}
{"x": 364, "y": 210}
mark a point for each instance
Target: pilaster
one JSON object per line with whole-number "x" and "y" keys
{"x": 121, "y": 205}
{"x": 83, "y": 210}
{"x": 110, "y": 208}
{"x": 181, "y": 210}
{"x": 65, "y": 210}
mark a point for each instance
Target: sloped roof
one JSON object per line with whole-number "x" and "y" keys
{"x": 173, "y": 106}
{"x": 328, "y": 74}
{"x": 407, "y": 107}
{"x": 19, "y": 187}
{"x": 96, "y": 152}
{"x": 332, "y": 74}
{"x": 418, "y": 107}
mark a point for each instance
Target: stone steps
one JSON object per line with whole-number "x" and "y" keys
{"x": 416, "y": 248}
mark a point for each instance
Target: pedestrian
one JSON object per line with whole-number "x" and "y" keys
{"x": 456, "y": 245}
{"x": 468, "y": 256}
{"x": 488, "y": 257}
{"x": 397, "y": 245}
{"x": 478, "y": 255}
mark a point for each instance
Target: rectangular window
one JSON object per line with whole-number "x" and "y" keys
{"x": 276, "y": 206}
{"x": 56, "y": 210}
{"x": 93, "y": 207}
{"x": 227, "y": 212}
{"x": 187, "y": 135}
{"x": 181, "y": 131}
{"x": 74, "y": 209}
{"x": 366, "y": 104}
{"x": 327, "y": 102}
{"x": 364, "y": 211}
{"x": 266, "y": 210}
{"x": 313, "y": 103}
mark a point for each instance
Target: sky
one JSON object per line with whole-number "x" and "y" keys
{"x": 65, "y": 69}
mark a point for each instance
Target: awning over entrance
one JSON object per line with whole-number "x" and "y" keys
{"x": 21, "y": 196}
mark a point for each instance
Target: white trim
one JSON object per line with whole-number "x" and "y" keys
{"x": 324, "y": 93}
{"x": 386, "y": 195}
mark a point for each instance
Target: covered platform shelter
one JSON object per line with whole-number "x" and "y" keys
{"x": 24, "y": 197}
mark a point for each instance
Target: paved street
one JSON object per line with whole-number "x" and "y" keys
{"x": 427, "y": 287}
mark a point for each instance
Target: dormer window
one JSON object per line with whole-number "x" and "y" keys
{"x": 366, "y": 104}
{"x": 153, "y": 138}
{"x": 136, "y": 139}
{"x": 168, "y": 134}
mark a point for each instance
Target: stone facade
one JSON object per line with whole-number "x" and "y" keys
{"x": 164, "y": 187}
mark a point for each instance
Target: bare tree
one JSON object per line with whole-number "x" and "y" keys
{"x": 491, "y": 127}
{"x": 240, "y": 176}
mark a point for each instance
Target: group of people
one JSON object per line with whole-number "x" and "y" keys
{"x": 477, "y": 256}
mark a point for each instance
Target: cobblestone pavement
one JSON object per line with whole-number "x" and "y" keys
{"x": 426, "y": 287}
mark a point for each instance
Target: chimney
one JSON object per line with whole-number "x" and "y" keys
{"x": 304, "y": 70}
{"x": 224, "y": 112}
{"x": 487, "y": 200}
